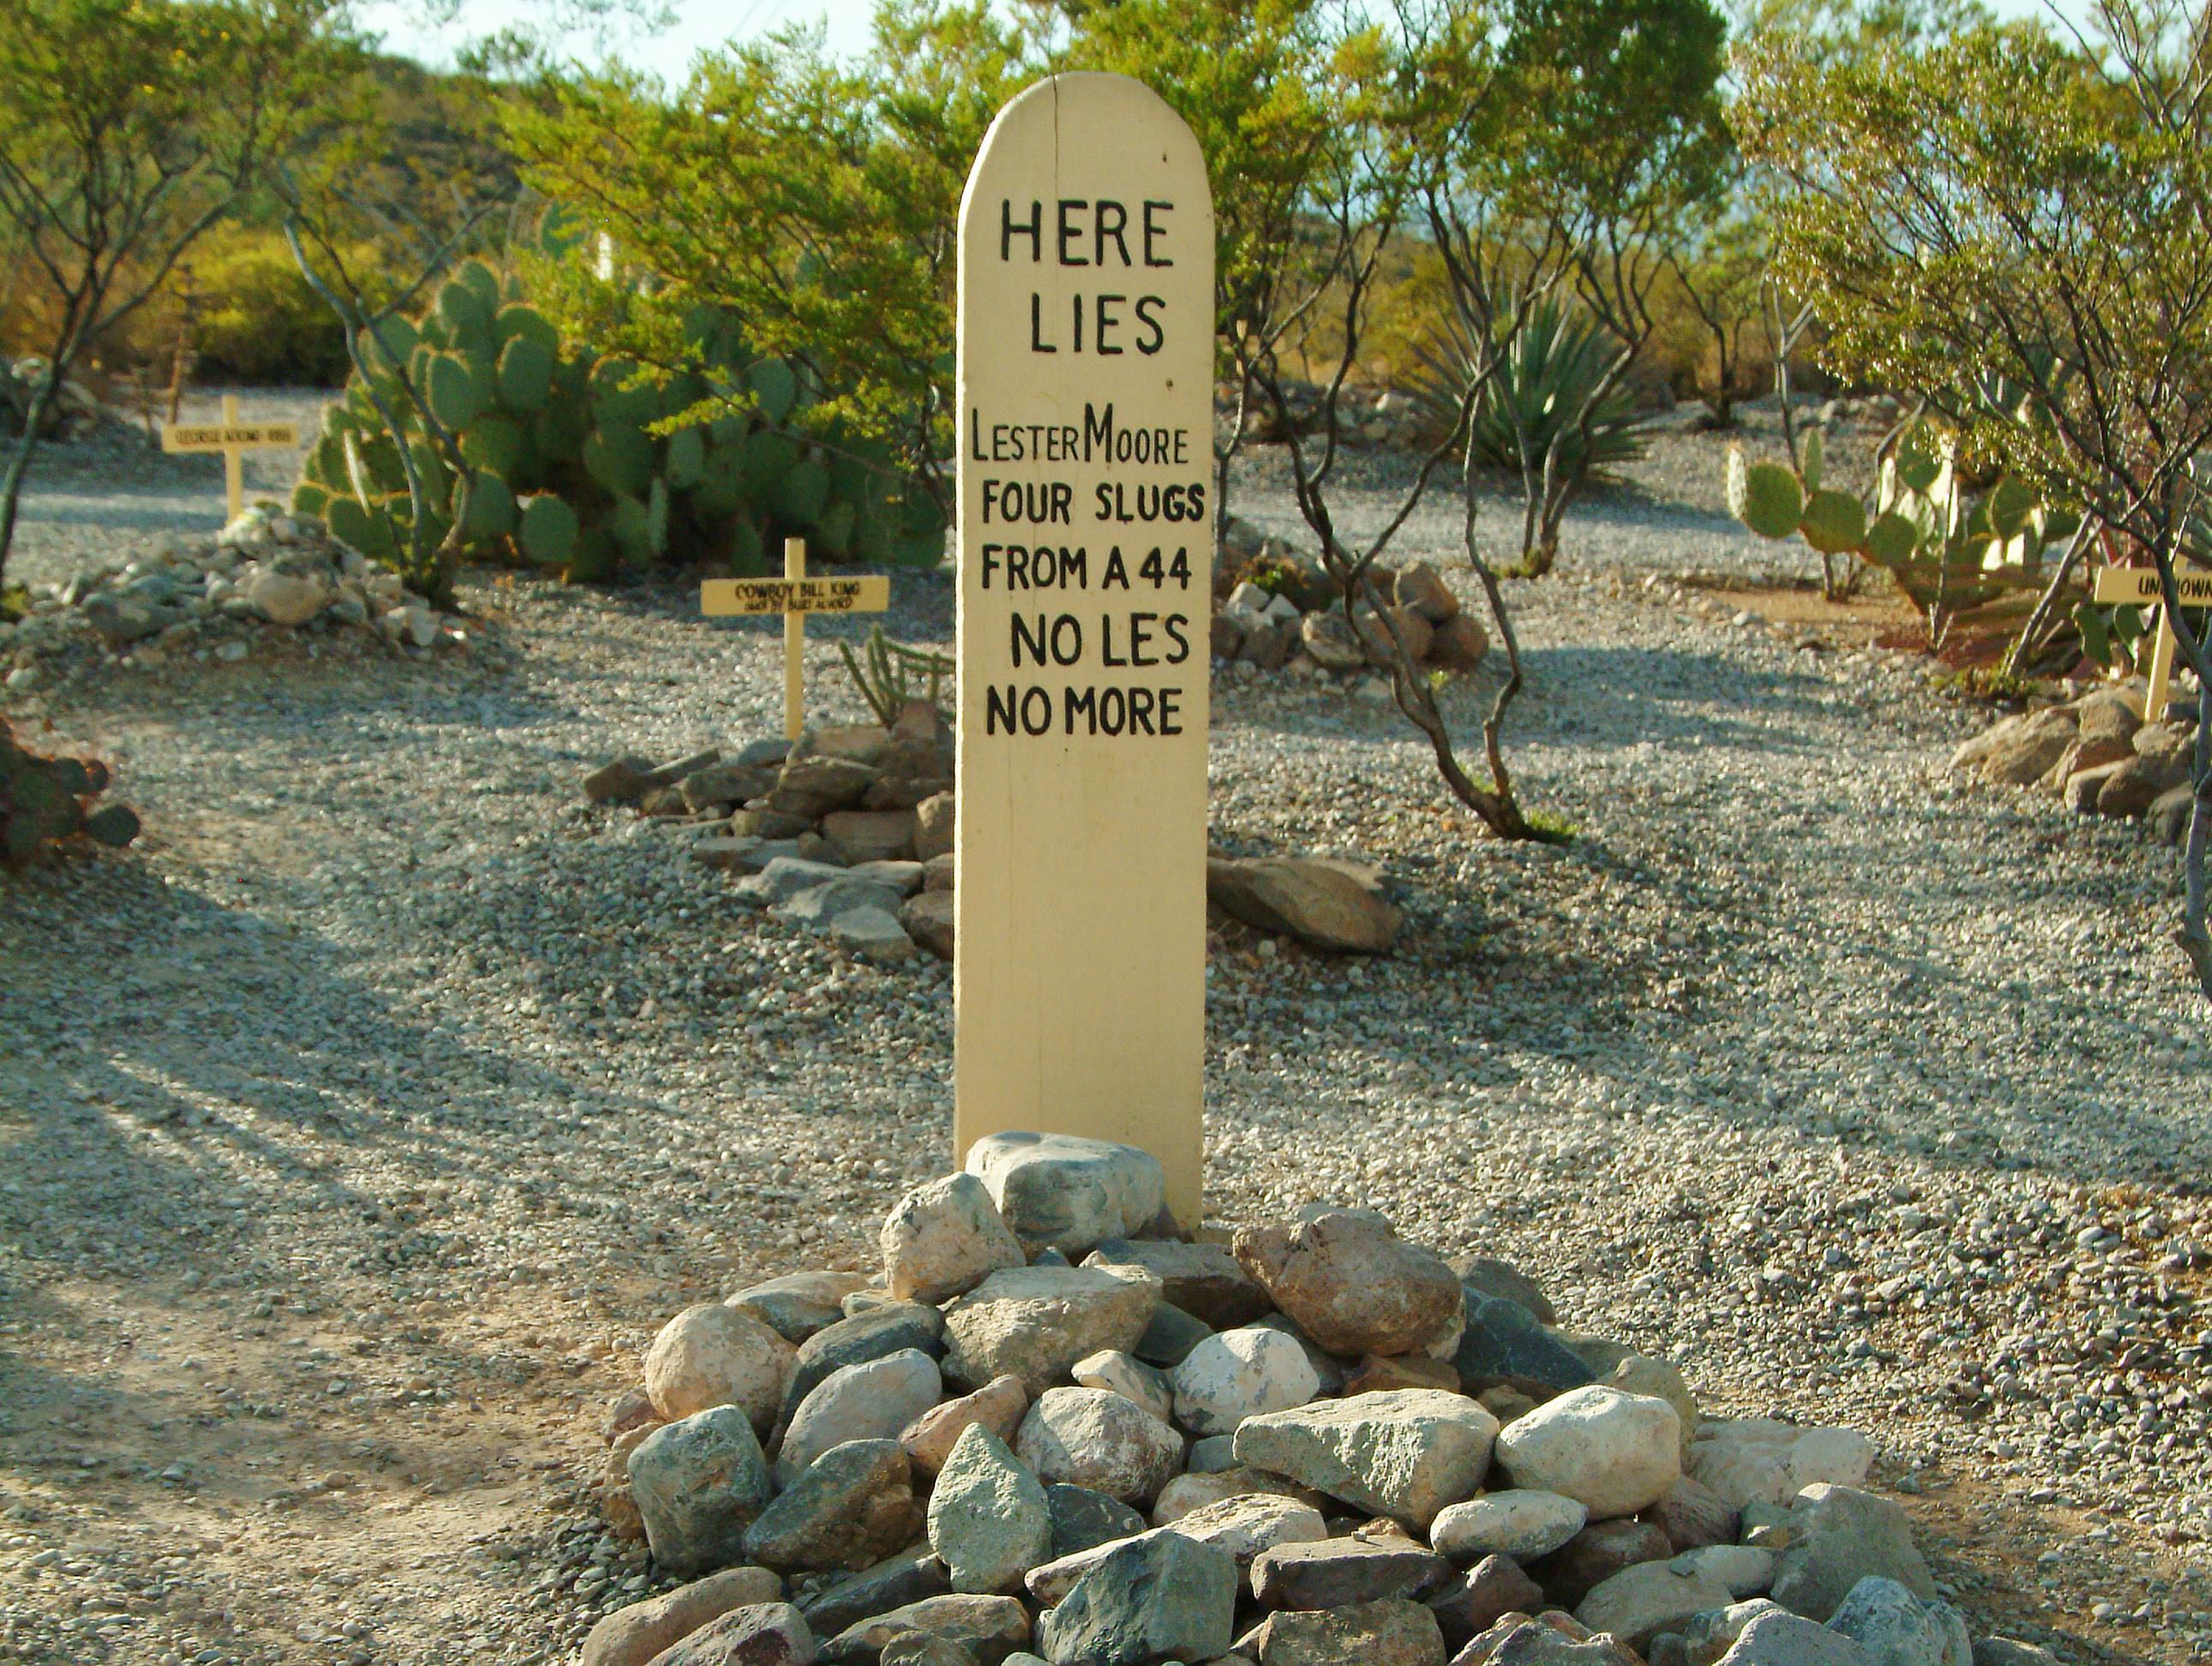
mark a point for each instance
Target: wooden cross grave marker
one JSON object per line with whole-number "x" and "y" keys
{"x": 794, "y": 596}
{"x": 2138, "y": 586}
{"x": 234, "y": 439}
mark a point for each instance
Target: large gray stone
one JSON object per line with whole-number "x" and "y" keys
{"x": 1898, "y": 1629}
{"x": 1405, "y": 1453}
{"x": 873, "y": 1401}
{"x": 1236, "y": 1374}
{"x": 1786, "y": 1639}
{"x": 1637, "y": 1603}
{"x": 1252, "y": 1522}
{"x": 1760, "y": 1460}
{"x": 1095, "y": 1438}
{"x": 852, "y": 1506}
{"x": 1072, "y": 1194}
{"x": 1594, "y": 1555}
{"x": 1084, "y": 1517}
{"x": 911, "y": 1576}
{"x": 988, "y": 1517}
{"x": 1034, "y": 1323}
{"x": 1158, "y": 1598}
{"x": 1502, "y": 1346}
{"x": 1611, "y": 1452}
{"x": 855, "y": 1340}
{"x": 698, "y": 1482}
{"x": 1353, "y": 1284}
{"x": 944, "y": 1238}
{"x": 798, "y": 1305}
{"x": 1517, "y": 1522}
{"x": 787, "y": 877}
{"x": 1840, "y": 1537}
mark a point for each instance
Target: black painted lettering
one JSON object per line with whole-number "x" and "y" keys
{"x": 1037, "y": 342}
{"x": 1071, "y": 233}
{"x": 1168, "y": 712}
{"x": 999, "y": 710}
{"x": 1008, "y": 231}
{"x": 1082, "y": 703}
{"x": 1148, "y": 345}
{"x": 1108, "y": 321}
{"x": 1111, "y": 219}
{"x": 1023, "y": 636}
{"x": 1117, "y": 571}
{"x": 1036, "y": 711}
{"x": 1154, "y": 232}
{"x": 1140, "y": 709}
{"x": 1140, "y": 637}
{"x": 1173, "y": 625}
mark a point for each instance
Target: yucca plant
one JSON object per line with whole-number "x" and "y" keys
{"x": 1555, "y": 410}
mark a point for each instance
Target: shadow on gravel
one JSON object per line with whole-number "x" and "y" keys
{"x": 227, "y": 1066}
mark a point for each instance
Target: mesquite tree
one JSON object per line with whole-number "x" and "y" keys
{"x": 127, "y": 129}
{"x": 2016, "y": 211}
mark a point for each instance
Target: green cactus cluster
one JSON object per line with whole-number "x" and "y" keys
{"x": 567, "y": 469}
{"x": 43, "y": 801}
{"x": 1948, "y": 549}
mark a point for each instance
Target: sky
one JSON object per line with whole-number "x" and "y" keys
{"x": 701, "y": 24}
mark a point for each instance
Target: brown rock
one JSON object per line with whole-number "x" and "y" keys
{"x": 618, "y": 1505}
{"x": 2113, "y": 712}
{"x": 758, "y": 1634}
{"x": 1329, "y": 643}
{"x": 813, "y": 786}
{"x": 1552, "y": 1639}
{"x": 933, "y": 826}
{"x": 1351, "y": 1283}
{"x": 2018, "y": 750}
{"x": 633, "y": 1635}
{"x": 1494, "y": 1587}
{"x": 763, "y": 822}
{"x": 623, "y": 781}
{"x": 1330, "y": 1572}
{"x": 998, "y": 1406}
{"x": 1415, "y": 632}
{"x": 1421, "y": 588}
{"x": 2084, "y": 787}
{"x": 1388, "y": 1631}
{"x": 1204, "y": 1280}
{"x": 1487, "y": 1275}
{"x": 632, "y": 1407}
{"x": 1459, "y": 644}
{"x": 617, "y": 1469}
{"x": 859, "y": 743}
{"x": 1507, "y": 1404}
{"x": 2086, "y": 754}
{"x": 989, "y": 1628}
{"x": 1379, "y": 1373}
{"x": 721, "y": 785}
{"x": 2132, "y": 788}
{"x": 1329, "y": 904}
{"x": 1268, "y": 644}
{"x": 714, "y": 1355}
{"x": 1225, "y": 637}
{"x": 2169, "y": 815}
{"x": 871, "y": 835}
{"x": 2168, "y": 746}
{"x": 927, "y": 917}
{"x": 1594, "y": 1555}
{"x": 1694, "y": 1515}
{"x": 939, "y": 872}
{"x": 663, "y": 802}
{"x": 1188, "y": 1492}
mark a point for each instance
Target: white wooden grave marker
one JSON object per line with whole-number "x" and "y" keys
{"x": 2138, "y": 585}
{"x": 1086, "y": 420}
{"x": 234, "y": 439}
{"x": 794, "y": 596}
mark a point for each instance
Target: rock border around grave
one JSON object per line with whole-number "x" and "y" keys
{"x": 848, "y": 832}
{"x": 985, "y": 1453}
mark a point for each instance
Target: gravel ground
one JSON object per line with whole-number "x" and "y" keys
{"x": 359, "y": 1125}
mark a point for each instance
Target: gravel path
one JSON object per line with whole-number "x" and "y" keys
{"x": 359, "y": 1125}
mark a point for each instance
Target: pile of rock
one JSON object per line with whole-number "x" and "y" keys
{"x": 1289, "y": 615}
{"x": 78, "y": 413}
{"x": 2097, "y": 755}
{"x": 1365, "y": 417}
{"x": 1050, "y": 1428}
{"x": 848, "y": 831}
{"x": 267, "y": 571}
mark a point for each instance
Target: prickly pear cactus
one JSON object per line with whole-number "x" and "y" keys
{"x": 43, "y": 801}
{"x": 569, "y": 471}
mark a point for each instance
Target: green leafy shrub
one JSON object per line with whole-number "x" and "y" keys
{"x": 257, "y": 321}
{"x": 589, "y": 465}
